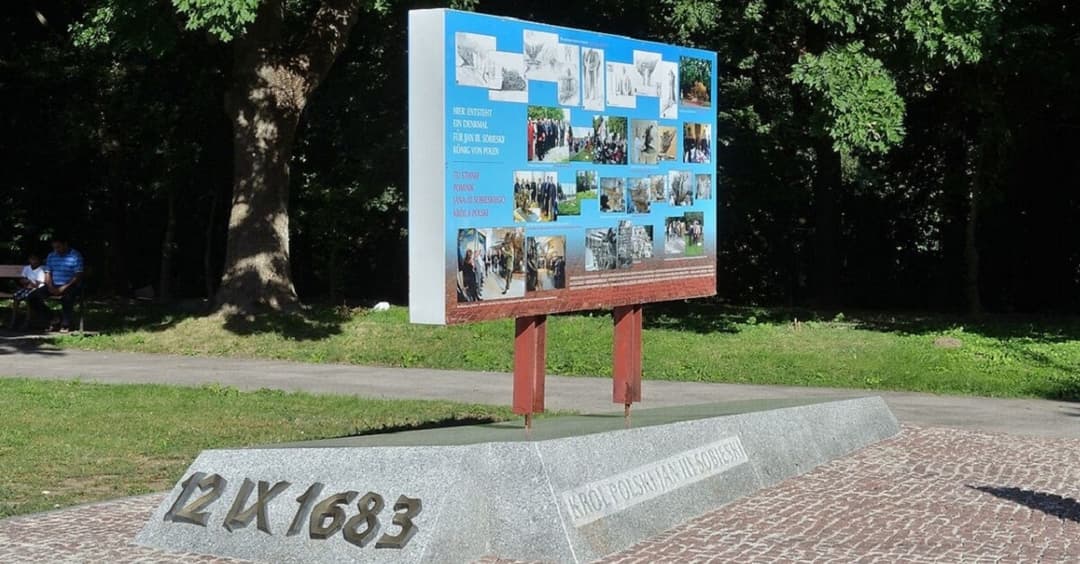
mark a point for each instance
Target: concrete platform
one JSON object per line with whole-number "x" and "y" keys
{"x": 575, "y": 489}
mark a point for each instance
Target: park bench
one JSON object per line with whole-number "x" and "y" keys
{"x": 14, "y": 272}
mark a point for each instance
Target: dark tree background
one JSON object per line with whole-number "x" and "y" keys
{"x": 910, "y": 154}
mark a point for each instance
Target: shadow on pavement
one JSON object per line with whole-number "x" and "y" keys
{"x": 1051, "y": 504}
{"x": 28, "y": 343}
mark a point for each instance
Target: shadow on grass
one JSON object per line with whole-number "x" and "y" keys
{"x": 1064, "y": 390}
{"x": 1037, "y": 328}
{"x": 696, "y": 316}
{"x": 308, "y": 324}
{"x": 1065, "y": 508}
{"x": 117, "y": 317}
{"x": 1040, "y": 359}
{"x": 709, "y": 316}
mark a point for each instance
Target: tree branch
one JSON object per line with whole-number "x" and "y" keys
{"x": 326, "y": 38}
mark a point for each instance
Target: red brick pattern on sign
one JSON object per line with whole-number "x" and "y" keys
{"x": 928, "y": 495}
{"x": 535, "y": 303}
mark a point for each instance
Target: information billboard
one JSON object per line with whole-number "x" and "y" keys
{"x": 555, "y": 169}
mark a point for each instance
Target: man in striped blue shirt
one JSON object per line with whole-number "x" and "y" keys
{"x": 63, "y": 277}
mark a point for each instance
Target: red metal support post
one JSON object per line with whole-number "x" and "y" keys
{"x": 530, "y": 358}
{"x": 626, "y": 369}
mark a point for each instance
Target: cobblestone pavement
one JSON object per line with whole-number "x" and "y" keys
{"x": 928, "y": 495}
{"x": 100, "y": 532}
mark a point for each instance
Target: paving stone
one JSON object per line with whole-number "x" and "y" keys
{"x": 927, "y": 495}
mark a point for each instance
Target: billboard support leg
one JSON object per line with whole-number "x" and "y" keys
{"x": 530, "y": 358}
{"x": 626, "y": 369}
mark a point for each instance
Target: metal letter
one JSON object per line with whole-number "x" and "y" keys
{"x": 238, "y": 517}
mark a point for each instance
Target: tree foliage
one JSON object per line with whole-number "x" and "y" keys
{"x": 845, "y": 16}
{"x": 859, "y": 96}
{"x": 959, "y": 31}
{"x": 891, "y": 154}
{"x": 224, "y": 19}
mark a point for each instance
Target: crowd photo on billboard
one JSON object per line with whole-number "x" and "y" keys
{"x": 684, "y": 235}
{"x": 491, "y": 264}
{"x": 548, "y": 134}
{"x": 697, "y": 143}
{"x": 537, "y": 196}
{"x": 604, "y": 144}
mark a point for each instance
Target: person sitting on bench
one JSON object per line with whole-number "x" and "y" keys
{"x": 63, "y": 278}
{"x": 31, "y": 289}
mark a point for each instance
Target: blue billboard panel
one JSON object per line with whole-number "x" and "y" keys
{"x": 554, "y": 169}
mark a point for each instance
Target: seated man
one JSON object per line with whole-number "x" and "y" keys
{"x": 31, "y": 289}
{"x": 63, "y": 278}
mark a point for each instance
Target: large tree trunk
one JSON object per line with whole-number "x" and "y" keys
{"x": 271, "y": 85}
{"x": 257, "y": 269}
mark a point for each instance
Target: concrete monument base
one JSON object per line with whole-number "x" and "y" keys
{"x": 577, "y": 488}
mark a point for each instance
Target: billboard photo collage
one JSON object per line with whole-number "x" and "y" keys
{"x": 607, "y": 163}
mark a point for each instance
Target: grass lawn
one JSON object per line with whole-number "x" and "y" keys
{"x": 63, "y": 443}
{"x": 695, "y": 341}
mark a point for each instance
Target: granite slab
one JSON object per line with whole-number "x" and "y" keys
{"x": 573, "y": 490}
